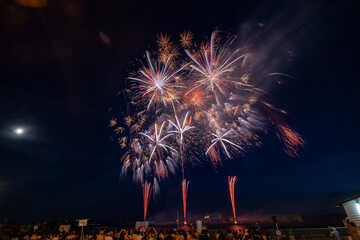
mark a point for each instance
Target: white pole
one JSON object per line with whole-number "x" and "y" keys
{"x": 81, "y": 235}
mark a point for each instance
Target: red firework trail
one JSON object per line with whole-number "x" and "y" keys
{"x": 146, "y": 195}
{"x": 185, "y": 186}
{"x": 292, "y": 140}
{"x": 232, "y": 181}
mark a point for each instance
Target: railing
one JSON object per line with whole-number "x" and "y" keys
{"x": 309, "y": 233}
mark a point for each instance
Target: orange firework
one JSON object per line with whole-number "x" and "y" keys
{"x": 232, "y": 181}
{"x": 163, "y": 40}
{"x": 185, "y": 39}
{"x": 196, "y": 98}
{"x": 185, "y": 186}
{"x": 236, "y": 109}
{"x": 214, "y": 156}
{"x": 112, "y": 122}
{"x": 146, "y": 195}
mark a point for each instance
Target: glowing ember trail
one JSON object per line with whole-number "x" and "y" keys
{"x": 232, "y": 181}
{"x": 185, "y": 186}
{"x": 292, "y": 140}
{"x": 146, "y": 195}
{"x": 236, "y": 109}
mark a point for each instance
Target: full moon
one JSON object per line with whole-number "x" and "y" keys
{"x": 19, "y": 131}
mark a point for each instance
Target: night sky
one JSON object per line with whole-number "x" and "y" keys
{"x": 58, "y": 80}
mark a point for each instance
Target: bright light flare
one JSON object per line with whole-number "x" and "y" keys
{"x": 19, "y": 131}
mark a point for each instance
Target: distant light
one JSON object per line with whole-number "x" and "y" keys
{"x": 19, "y": 131}
{"x": 357, "y": 207}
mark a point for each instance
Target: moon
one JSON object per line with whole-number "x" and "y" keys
{"x": 19, "y": 131}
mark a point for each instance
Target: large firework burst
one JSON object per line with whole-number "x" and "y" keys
{"x": 156, "y": 82}
{"x": 219, "y": 97}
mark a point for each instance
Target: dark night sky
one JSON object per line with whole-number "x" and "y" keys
{"x": 58, "y": 80}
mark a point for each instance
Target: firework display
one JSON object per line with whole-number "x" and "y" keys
{"x": 191, "y": 102}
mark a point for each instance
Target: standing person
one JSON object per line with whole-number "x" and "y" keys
{"x": 117, "y": 235}
{"x": 221, "y": 236}
{"x": 256, "y": 234}
{"x": 152, "y": 234}
{"x": 217, "y": 234}
{"x": 334, "y": 234}
{"x": 123, "y": 235}
{"x": 134, "y": 235}
{"x": 183, "y": 235}
{"x": 264, "y": 234}
{"x": 100, "y": 236}
{"x": 144, "y": 235}
{"x": 108, "y": 237}
{"x": 161, "y": 235}
{"x": 189, "y": 235}
{"x": 203, "y": 235}
{"x": 240, "y": 235}
{"x": 229, "y": 234}
{"x": 138, "y": 235}
{"x": 127, "y": 236}
{"x": 179, "y": 236}
{"x": 168, "y": 235}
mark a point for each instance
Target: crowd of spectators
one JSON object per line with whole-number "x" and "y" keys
{"x": 159, "y": 234}
{"x": 149, "y": 234}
